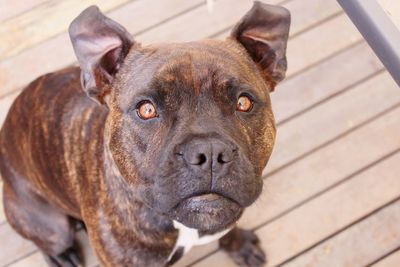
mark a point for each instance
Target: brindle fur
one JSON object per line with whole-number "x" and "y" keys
{"x": 64, "y": 157}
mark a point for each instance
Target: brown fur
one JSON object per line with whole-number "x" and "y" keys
{"x": 65, "y": 158}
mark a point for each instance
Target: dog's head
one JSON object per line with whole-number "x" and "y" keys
{"x": 190, "y": 125}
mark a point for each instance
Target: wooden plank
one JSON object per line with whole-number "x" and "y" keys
{"x": 363, "y": 91}
{"x": 323, "y": 81}
{"x": 314, "y": 45}
{"x": 295, "y": 94}
{"x": 332, "y": 118}
{"x": 12, "y": 8}
{"x": 37, "y": 60}
{"x": 199, "y": 23}
{"x": 36, "y": 259}
{"x": 392, "y": 260}
{"x": 283, "y": 190}
{"x": 308, "y": 13}
{"x": 392, "y": 9}
{"x": 304, "y": 14}
{"x": 24, "y": 66}
{"x": 21, "y": 69}
{"x": 5, "y": 104}
{"x": 16, "y": 245}
{"x": 187, "y": 28}
{"x": 361, "y": 243}
{"x": 327, "y": 214}
{"x": 2, "y": 215}
{"x": 43, "y": 22}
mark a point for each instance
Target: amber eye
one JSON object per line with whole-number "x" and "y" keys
{"x": 146, "y": 110}
{"x": 244, "y": 104}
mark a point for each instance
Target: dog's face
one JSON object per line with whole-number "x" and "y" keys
{"x": 190, "y": 126}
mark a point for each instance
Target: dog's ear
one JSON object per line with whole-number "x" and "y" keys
{"x": 264, "y": 32}
{"x": 100, "y": 44}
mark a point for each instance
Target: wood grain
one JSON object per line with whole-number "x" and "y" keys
{"x": 10, "y": 9}
{"x": 56, "y": 53}
{"x": 328, "y": 213}
{"x": 2, "y": 215}
{"x": 324, "y": 168}
{"x": 328, "y": 120}
{"x": 323, "y": 81}
{"x": 361, "y": 243}
{"x": 21, "y": 69}
{"x": 16, "y": 246}
{"x": 393, "y": 260}
{"x": 36, "y": 258}
{"x": 334, "y": 86}
{"x": 44, "y": 21}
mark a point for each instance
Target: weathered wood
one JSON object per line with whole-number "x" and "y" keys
{"x": 36, "y": 259}
{"x": 5, "y": 104}
{"x": 14, "y": 246}
{"x": 10, "y": 9}
{"x": 304, "y": 14}
{"x": 43, "y": 22}
{"x": 57, "y": 52}
{"x": 323, "y": 81}
{"x": 370, "y": 92}
{"x": 313, "y": 46}
{"x": 393, "y": 260}
{"x": 326, "y": 214}
{"x": 361, "y": 243}
{"x": 332, "y": 118}
{"x": 314, "y": 173}
{"x": 199, "y": 23}
{"x": 2, "y": 215}
{"x": 21, "y": 69}
{"x": 302, "y": 179}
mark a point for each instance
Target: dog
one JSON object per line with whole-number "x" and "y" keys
{"x": 153, "y": 148}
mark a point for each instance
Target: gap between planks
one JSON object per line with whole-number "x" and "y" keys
{"x": 304, "y": 228}
{"x": 44, "y": 21}
{"x": 13, "y": 80}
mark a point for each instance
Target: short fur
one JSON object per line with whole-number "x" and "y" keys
{"x": 65, "y": 158}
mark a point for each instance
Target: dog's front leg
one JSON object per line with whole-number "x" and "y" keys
{"x": 244, "y": 248}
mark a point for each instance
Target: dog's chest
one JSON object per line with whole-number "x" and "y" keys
{"x": 189, "y": 237}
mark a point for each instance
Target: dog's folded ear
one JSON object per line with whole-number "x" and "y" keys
{"x": 100, "y": 44}
{"x": 264, "y": 32}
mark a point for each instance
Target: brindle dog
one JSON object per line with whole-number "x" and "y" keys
{"x": 172, "y": 147}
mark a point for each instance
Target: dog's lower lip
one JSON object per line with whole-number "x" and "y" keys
{"x": 207, "y": 196}
{"x": 208, "y": 211}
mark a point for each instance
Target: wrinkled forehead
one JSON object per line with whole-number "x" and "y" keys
{"x": 196, "y": 67}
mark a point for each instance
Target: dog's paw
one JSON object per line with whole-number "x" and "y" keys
{"x": 244, "y": 248}
{"x": 69, "y": 258}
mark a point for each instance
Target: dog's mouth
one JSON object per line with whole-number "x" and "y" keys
{"x": 210, "y": 212}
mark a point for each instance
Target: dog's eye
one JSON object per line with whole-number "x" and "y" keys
{"x": 244, "y": 104}
{"x": 146, "y": 110}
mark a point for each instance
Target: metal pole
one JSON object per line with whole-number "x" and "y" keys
{"x": 378, "y": 30}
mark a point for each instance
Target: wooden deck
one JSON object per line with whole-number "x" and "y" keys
{"x": 332, "y": 187}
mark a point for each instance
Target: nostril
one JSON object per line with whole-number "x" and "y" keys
{"x": 201, "y": 159}
{"x": 221, "y": 159}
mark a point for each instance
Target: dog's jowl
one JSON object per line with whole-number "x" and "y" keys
{"x": 154, "y": 148}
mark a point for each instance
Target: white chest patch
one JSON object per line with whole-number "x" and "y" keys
{"x": 189, "y": 237}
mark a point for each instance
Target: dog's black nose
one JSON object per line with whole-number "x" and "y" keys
{"x": 208, "y": 154}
